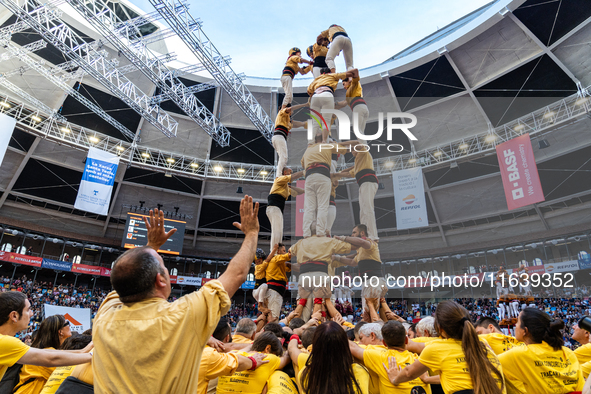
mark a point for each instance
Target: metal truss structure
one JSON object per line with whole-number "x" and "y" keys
{"x": 91, "y": 61}
{"x": 189, "y": 30}
{"x": 50, "y": 75}
{"x": 128, "y": 40}
{"x": 542, "y": 121}
{"x": 52, "y": 113}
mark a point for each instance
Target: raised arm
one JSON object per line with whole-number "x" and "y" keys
{"x": 297, "y": 175}
{"x": 272, "y": 254}
{"x": 356, "y": 350}
{"x": 157, "y": 235}
{"x": 354, "y": 241}
{"x": 239, "y": 266}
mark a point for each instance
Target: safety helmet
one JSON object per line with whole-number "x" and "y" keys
{"x": 294, "y": 50}
{"x": 260, "y": 254}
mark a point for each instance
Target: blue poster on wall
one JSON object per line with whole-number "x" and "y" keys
{"x": 584, "y": 260}
{"x": 94, "y": 193}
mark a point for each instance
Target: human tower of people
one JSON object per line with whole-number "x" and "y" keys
{"x": 142, "y": 343}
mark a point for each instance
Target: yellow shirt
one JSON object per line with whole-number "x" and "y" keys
{"x": 281, "y": 186}
{"x": 425, "y": 340}
{"x": 164, "y": 340}
{"x": 237, "y": 338}
{"x": 319, "y": 50}
{"x": 213, "y": 365}
{"x": 363, "y": 161}
{"x": 260, "y": 270}
{"x": 583, "y": 353}
{"x": 11, "y": 350}
{"x": 84, "y": 373}
{"x": 361, "y": 374}
{"x": 283, "y": 119}
{"x": 445, "y": 357}
{"x": 280, "y": 383}
{"x": 586, "y": 369}
{"x": 57, "y": 377}
{"x": 330, "y": 80}
{"x": 501, "y": 343}
{"x": 249, "y": 382}
{"x": 41, "y": 374}
{"x": 330, "y": 32}
{"x": 540, "y": 369}
{"x": 276, "y": 270}
{"x": 372, "y": 253}
{"x": 314, "y": 154}
{"x": 374, "y": 358}
{"x": 318, "y": 249}
{"x": 354, "y": 89}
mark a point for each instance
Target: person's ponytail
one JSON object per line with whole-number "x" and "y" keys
{"x": 479, "y": 365}
{"x": 541, "y": 328}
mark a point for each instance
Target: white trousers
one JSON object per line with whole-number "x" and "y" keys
{"x": 317, "y": 198}
{"x": 280, "y": 145}
{"x": 340, "y": 43}
{"x": 367, "y": 216}
{"x": 286, "y": 82}
{"x": 319, "y": 102}
{"x": 276, "y": 219}
{"x": 332, "y": 215}
{"x": 362, "y": 113}
{"x": 316, "y": 71}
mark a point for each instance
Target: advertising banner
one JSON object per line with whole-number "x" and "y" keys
{"x": 79, "y": 318}
{"x": 105, "y": 271}
{"x": 6, "y": 128}
{"x": 409, "y": 198}
{"x": 519, "y": 172}
{"x": 247, "y": 285}
{"x": 565, "y": 266}
{"x": 86, "y": 269}
{"x": 94, "y": 193}
{"x": 299, "y": 222}
{"x": 56, "y": 265}
{"x": 21, "y": 259}
{"x": 188, "y": 280}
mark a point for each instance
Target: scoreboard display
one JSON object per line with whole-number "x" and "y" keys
{"x": 136, "y": 233}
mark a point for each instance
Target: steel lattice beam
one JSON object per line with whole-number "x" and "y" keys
{"x": 189, "y": 30}
{"x": 74, "y": 47}
{"x": 128, "y": 41}
{"x": 39, "y": 105}
{"x": 23, "y": 56}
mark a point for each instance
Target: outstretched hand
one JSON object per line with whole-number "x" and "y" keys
{"x": 392, "y": 369}
{"x": 157, "y": 235}
{"x": 249, "y": 217}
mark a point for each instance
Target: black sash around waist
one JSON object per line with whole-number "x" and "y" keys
{"x": 278, "y": 285}
{"x": 276, "y": 200}
{"x": 339, "y": 33}
{"x": 319, "y": 168}
{"x": 320, "y": 61}
{"x": 314, "y": 266}
{"x": 282, "y": 131}
{"x": 288, "y": 71}
{"x": 367, "y": 175}
{"x": 355, "y": 101}
{"x": 332, "y": 201}
{"x": 370, "y": 267}
{"x": 259, "y": 282}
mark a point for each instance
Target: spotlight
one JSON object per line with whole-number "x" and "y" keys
{"x": 5, "y": 104}
{"x": 548, "y": 115}
{"x": 580, "y": 101}
{"x": 543, "y": 144}
{"x": 94, "y": 140}
{"x": 239, "y": 190}
{"x": 146, "y": 155}
{"x": 463, "y": 146}
{"x": 264, "y": 173}
{"x": 194, "y": 165}
{"x": 389, "y": 164}
{"x": 240, "y": 170}
{"x": 438, "y": 153}
{"x": 490, "y": 138}
{"x": 36, "y": 118}
{"x": 519, "y": 127}
{"x": 412, "y": 161}
{"x": 217, "y": 168}
{"x": 170, "y": 160}
{"x": 65, "y": 130}
{"x": 120, "y": 148}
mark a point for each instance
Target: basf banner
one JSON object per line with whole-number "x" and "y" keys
{"x": 6, "y": 128}
{"x": 519, "y": 172}
{"x": 97, "y": 182}
{"x": 79, "y": 318}
{"x": 409, "y": 198}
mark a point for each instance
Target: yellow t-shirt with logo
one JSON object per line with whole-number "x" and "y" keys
{"x": 374, "y": 379}
{"x": 501, "y": 343}
{"x": 375, "y": 358}
{"x": 540, "y": 369}
{"x": 586, "y": 369}
{"x": 583, "y": 353}
{"x": 445, "y": 357}
{"x": 11, "y": 350}
{"x": 280, "y": 383}
{"x": 361, "y": 374}
{"x": 57, "y": 377}
{"x": 249, "y": 382}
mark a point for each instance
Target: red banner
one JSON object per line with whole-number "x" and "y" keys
{"x": 205, "y": 280}
{"x": 299, "y": 222}
{"x": 519, "y": 172}
{"x": 86, "y": 269}
{"x": 173, "y": 279}
{"x": 21, "y": 259}
{"x": 105, "y": 271}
